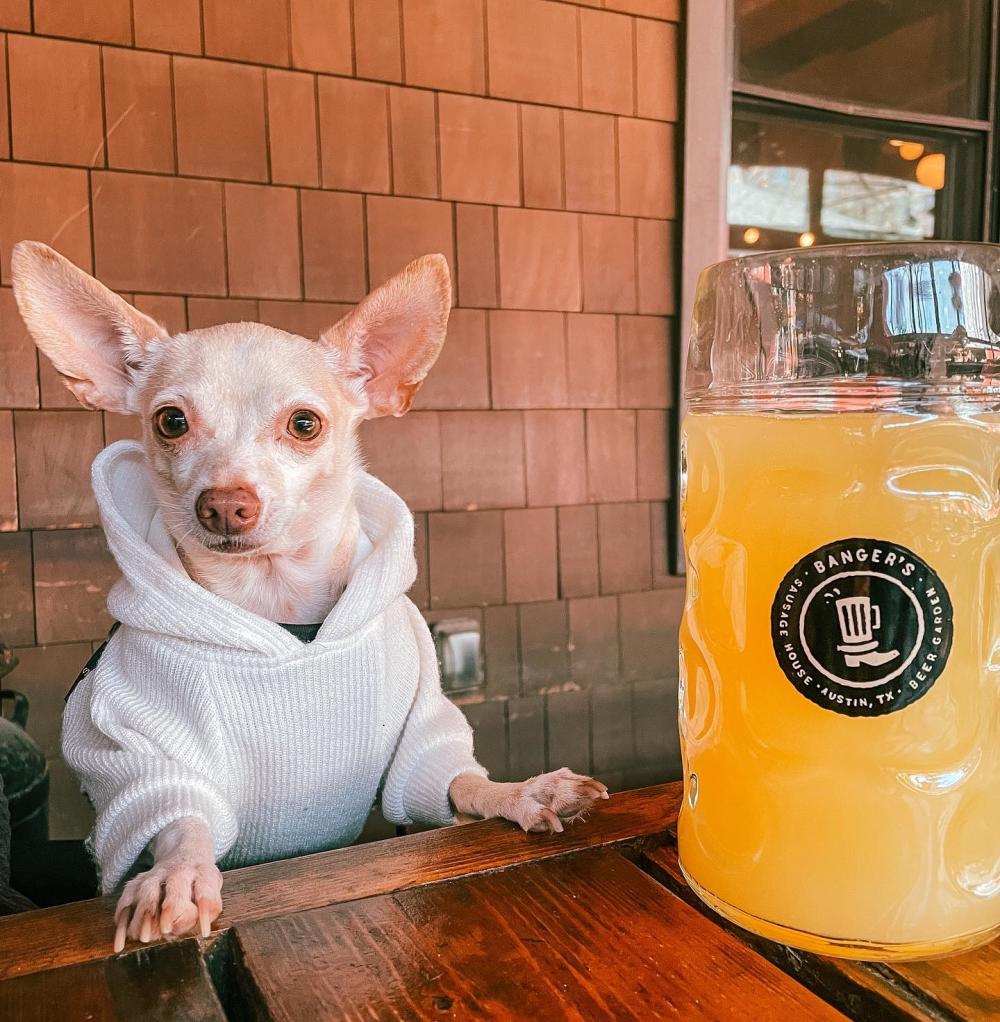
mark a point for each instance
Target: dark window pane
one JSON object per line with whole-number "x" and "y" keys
{"x": 924, "y": 56}
{"x": 809, "y": 178}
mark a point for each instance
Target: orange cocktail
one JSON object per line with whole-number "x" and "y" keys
{"x": 840, "y": 663}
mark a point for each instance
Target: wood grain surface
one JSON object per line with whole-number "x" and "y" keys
{"x": 967, "y": 985}
{"x": 82, "y": 931}
{"x": 479, "y": 921}
{"x": 167, "y": 984}
{"x": 962, "y": 988}
{"x": 586, "y": 938}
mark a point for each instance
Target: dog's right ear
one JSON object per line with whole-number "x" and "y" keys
{"x": 94, "y": 338}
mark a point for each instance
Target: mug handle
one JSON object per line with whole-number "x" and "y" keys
{"x": 876, "y": 617}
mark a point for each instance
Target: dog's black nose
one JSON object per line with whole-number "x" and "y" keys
{"x": 228, "y": 511}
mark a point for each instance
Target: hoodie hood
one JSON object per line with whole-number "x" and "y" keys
{"x": 155, "y": 594}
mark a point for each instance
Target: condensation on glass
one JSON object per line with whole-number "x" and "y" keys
{"x": 840, "y": 645}
{"x": 919, "y": 56}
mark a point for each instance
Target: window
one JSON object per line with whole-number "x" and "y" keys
{"x": 801, "y": 177}
{"x": 925, "y": 57}
{"x": 859, "y": 120}
{"x": 823, "y": 121}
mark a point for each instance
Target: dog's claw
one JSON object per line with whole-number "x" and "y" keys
{"x": 170, "y": 900}
{"x": 545, "y": 804}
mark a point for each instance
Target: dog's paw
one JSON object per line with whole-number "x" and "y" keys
{"x": 171, "y": 900}
{"x": 544, "y": 803}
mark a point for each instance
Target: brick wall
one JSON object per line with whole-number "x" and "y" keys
{"x": 220, "y": 160}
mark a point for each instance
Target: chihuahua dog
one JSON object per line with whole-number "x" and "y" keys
{"x": 244, "y": 512}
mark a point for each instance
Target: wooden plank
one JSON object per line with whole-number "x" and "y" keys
{"x": 51, "y": 938}
{"x": 968, "y": 985}
{"x": 864, "y": 991}
{"x": 167, "y": 984}
{"x": 587, "y": 938}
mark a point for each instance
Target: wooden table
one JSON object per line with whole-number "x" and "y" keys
{"x": 473, "y": 922}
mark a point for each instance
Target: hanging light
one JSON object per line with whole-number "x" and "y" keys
{"x": 931, "y": 171}
{"x": 751, "y": 235}
{"x": 911, "y": 150}
{"x": 806, "y": 239}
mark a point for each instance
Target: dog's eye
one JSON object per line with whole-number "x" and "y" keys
{"x": 170, "y": 423}
{"x": 304, "y": 425}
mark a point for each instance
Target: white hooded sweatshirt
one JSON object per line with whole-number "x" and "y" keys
{"x": 200, "y": 708}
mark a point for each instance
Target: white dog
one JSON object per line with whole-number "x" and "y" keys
{"x": 218, "y": 726}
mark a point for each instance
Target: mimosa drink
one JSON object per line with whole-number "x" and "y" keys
{"x": 840, "y": 704}
{"x": 840, "y": 644}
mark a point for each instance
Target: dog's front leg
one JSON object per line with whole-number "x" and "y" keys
{"x": 540, "y": 804}
{"x": 182, "y": 892}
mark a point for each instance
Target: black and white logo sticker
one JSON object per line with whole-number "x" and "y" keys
{"x": 862, "y": 626}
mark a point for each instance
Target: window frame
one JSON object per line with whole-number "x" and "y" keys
{"x": 960, "y": 206}
{"x": 710, "y": 86}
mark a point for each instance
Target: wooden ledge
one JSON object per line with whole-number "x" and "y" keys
{"x": 82, "y": 931}
{"x": 962, "y": 988}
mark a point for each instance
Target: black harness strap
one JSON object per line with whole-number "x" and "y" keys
{"x": 92, "y": 662}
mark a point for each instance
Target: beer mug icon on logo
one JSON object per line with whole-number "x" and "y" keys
{"x": 859, "y": 620}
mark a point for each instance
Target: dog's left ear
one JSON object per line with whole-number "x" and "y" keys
{"x": 389, "y": 341}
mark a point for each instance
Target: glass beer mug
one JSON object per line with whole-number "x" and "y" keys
{"x": 840, "y": 646}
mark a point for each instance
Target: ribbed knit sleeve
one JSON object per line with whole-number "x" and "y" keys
{"x": 146, "y": 754}
{"x": 435, "y": 746}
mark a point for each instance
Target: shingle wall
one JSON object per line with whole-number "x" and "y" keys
{"x": 273, "y": 160}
